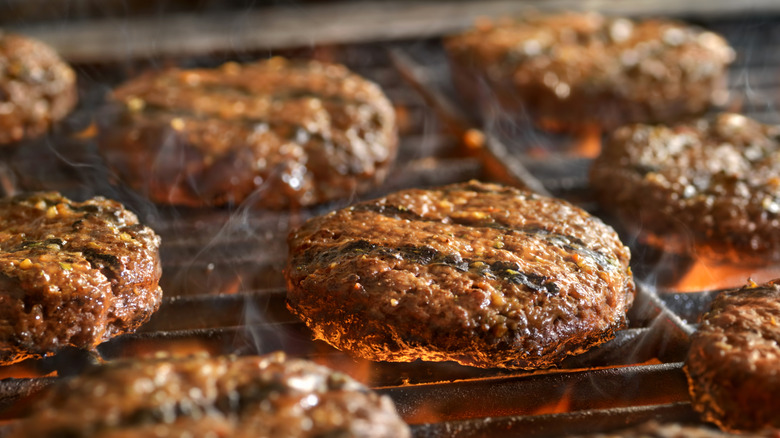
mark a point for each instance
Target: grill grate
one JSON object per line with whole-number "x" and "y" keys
{"x": 225, "y": 292}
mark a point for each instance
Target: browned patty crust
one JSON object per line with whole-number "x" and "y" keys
{"x": 573, "y": 70}
{"x": 37, "y": 88}
{"x": 715, "y": 182}
{"x": 477, "y": 273}
{"x": 281, "y": 133}
{"x": 201, "y": 397}
{"x": 72, "y": 274}
{"x": 733, "y": 365}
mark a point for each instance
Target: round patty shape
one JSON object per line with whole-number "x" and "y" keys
{"x": 72, "y": 274}
{"x": 37, "y": 88}
{"x": 281, "y": 133}
{"x": 477, "y": 273}
{"x": 574, "y": 70}
{"x": 202, "y": 397}
{"x": 712, "y": 186}
{"x": 733, "y": 365}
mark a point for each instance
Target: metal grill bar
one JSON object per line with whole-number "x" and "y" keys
{"x": 553, "y": 425}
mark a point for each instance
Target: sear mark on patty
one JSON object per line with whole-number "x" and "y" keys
{"x": 425, "y": 255}
{"x": 107, "y": 264}
{"x": 564, "y": 241}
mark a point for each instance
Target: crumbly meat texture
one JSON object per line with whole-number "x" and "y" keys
{"x": 711, "y": 186}
{"x": 570, "y": 71}
{"x": 477, "y": 273}
{"x": 274, "y": 133}
{"x": 72, "y": 274}
{"x": 733, "y": 365}
{"x": 202, "y": 397}
{"x": 37, "y": 88}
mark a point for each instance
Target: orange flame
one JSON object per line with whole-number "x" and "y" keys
{"x": 584, "y": 142}
{"x": 22, "y": 370}
{"x": 711, "y": 276}
{"x": 358, "y": 369}
{"x": 561, "y": 405}
{"x": 588, "y": 143}
{"x": 87, "y": 133}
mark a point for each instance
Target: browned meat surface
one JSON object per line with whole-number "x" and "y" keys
{"x": 72, "y": 274}
{"x": 733, "y": 366}
{"x": 477, "y": 273}
{"x": 572, "y": 70}
{"x": 37, "y": 88}
{"x": 274, "y": 133}
{"x": 710, "y": 186}
{"x": 223, "y": 397}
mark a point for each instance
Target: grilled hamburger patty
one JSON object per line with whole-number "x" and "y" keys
{"x": 281, "y": 133}
{"x": 573, "y": 70}
{"x": 201, "y": 397}
{"x": 72, "y": 274}
{"x": 733, "y": 365}
{"x": 37, "y": 88}
{"x": 476, "y": 273}
{"x": 712, "y": 186}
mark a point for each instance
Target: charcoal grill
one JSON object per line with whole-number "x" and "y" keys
{"x": 223, "y": 267}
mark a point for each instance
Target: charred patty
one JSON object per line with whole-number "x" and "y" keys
{"x": 712, "y": 186}
{"x": 569, "y": 71}
{"x": 72, "y": 274}
{"x": 733, "y": 365}
{"x": 273, "y": 133}
{"x": 477, "y": 273}
{"x": 200, "y": 397}
{"x": 37, "y": 88}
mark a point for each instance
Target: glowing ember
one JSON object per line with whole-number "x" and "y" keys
{"x": 474, "y": 139}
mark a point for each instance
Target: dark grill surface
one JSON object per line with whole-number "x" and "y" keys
{"x": 222, "y": 267}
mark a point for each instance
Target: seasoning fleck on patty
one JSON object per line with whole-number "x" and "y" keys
{"x": 733, "y": 365}
{"x": 72, "y": 274}
{"x": 476, "y": 273}
{"x": 201, "y": 397}
{"x": 273, "y": 133}
{"x": 37, "y": 88}
{"x": 712, "y": 186}
{"x": 569, "y": 71}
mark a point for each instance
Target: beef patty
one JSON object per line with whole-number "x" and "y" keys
{"x": 274, "y": 133}
{"x": 569, "y": 71}
{"x": 733, "y": 365}
{"x": 710, "y": 186}
{"x": 72, "y": 274}
{"x": 37, "y": 88}
{"x": 477, "y": 273}
{"x": 201, "y": 397}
